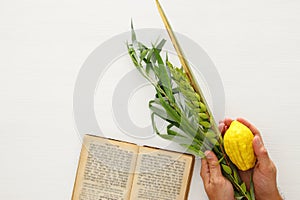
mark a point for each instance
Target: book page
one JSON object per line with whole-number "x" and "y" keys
{"x": 105, "y": 169}
{"x": 161, "y": 174}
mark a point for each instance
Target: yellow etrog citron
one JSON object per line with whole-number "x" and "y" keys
{"x": 238, "y": 145}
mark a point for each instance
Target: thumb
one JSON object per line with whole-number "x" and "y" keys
{"x": 261, "y": 152}
{"x": 213, "y": 165}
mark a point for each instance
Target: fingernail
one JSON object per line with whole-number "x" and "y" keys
{"x": 221, "y": 127}
{"x": 257, "y": 141}
{"x": 208, "y": 154}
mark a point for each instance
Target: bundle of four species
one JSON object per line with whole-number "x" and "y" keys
{"x": 181, "y": 104}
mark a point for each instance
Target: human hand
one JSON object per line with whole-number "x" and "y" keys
{"x": 217, "y": 187}
{"x": 264, "y": 172}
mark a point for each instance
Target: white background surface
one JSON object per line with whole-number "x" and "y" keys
{"x": 254, "y": 44}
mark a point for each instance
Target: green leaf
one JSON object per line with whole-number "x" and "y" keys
{"x": 161, "y": 44}
{"x": 149, "y": 66}
{"x": 170, "y": 111}
{"x": 175, "y": 90}
{"x": 133, "y": 56}
{"x": 163, "y": 76}
{"x": 243, "y": 186}
{"x": 153, "y": 106}
{"x": 235, "y": 176}
{"x": 160, "y": 112}
{"x": 167, "y": 137}
{"x": 210, "y": 134}
{"x": 194, "y": 150}
{"x": 172, "y": 132}
{"x": 226, "y": 169}
{"x": 214, "y": 141}
{"x": 133, "y": 35}
{"x": 143, "y": 54}
{"x": 141, "y": 46}
{"x": 182, "y": 122}
{"x": 239, "y": 197}
{"x": 150, "y": 55}
{"x": 205, "y": 124}
{"x": 203, "y": 115}
{"x": 252, "y": 194}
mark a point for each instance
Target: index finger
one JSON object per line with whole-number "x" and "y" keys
{"x": 224, "y": 125}
{"x": 204, "y": 173}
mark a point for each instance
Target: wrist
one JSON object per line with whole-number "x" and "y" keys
{"x": 276, "y": 196}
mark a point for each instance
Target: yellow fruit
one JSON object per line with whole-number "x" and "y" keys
{"x": 238, "y": 145}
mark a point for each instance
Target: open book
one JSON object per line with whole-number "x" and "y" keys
{"x": 115, "y": 170}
